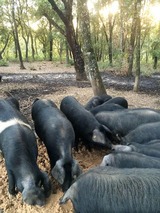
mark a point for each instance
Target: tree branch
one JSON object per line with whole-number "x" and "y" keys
{"x": 58, "y": 11}
{"x": 55, "y": 24}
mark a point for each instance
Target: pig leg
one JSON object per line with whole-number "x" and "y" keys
{"x": 76, "y": 143}
{"x": 11, "y": 181}
{"x": 46, "y": 184}
{"x": 66, "y": 184}
{"x": 76, "y": 171}
{"x": 71, "y": 173}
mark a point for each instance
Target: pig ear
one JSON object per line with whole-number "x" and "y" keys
{"x": 14, "y": 102}
{"x": 35, "y": 100}
{"x": 96, "y": 135}
{"x": 106, "y": 129}
{"x": 76, "y": 171}
{"x": 58, "y": 172}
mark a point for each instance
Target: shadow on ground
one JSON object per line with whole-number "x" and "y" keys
{"x": 50, "y": 82}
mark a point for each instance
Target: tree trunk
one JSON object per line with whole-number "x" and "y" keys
{"x": 16, "y": 37}
{"x": 132, "y": 41}
{"x": 3, "y": 49}
{"x": 109, "y": 36}
{"x": 138, "y": 48}
{"x": 110, "y": 51}
{"x": 67, "y": 53}
{"x": 77, "y": 54}
{"x": 146, "y": 54}
{"x": 93, "y": 73}
{"x": 155, "y": 62}
{"x": 110, "y": 40}
{"x": 27, "y": 53}
{"x": 130, "y": 60}
{"x": 67, "y": 18}
{"x": 122, "y": 40}
{"x": 89, "y": 56}
{"x": 26, "y": 40}
{"x": 15, "y": 43}
{"x": 60, "y": 52}
{"x": 32, "y": 45}
{"x": 50, "y": 43}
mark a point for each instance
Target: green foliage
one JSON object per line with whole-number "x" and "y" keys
{"x": 4, "y": 63}
{"x": 29, "y": 12}
{"x": 147, "y": 69}
{"x": 4, "y": 35}
{"x": 106, "y": 66}
{"x": 103, "y": 65}
{"x": 155, "y": 48}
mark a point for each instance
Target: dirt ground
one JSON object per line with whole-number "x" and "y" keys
{"x": 55, "y": 81}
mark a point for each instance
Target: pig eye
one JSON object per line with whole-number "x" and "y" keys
{"x": 107, "y": 164}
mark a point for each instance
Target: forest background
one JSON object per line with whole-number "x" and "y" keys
{"x": 123, "y": 34}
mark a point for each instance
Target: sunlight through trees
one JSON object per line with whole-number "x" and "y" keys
{"x": 113, "y": 32}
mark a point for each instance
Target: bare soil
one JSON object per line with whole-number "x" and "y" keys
{"x": 55, "y": 81}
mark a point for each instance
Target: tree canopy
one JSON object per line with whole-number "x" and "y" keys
{"x": 50, "y": 30}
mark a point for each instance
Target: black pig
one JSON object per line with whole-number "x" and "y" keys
{"x": 57, "y": 133}
{"x": 108, "y": 189}
{"x": 121, "y": 122}
{"x": 96, "y": 101}
{"x": 143, "y": 133}
{"x": 85, "y": 124}
{"x": 130, "y": 160}
{"x": 19, "y": 148}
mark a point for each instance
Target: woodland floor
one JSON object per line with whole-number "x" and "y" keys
{"x": 55, "y": 81}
